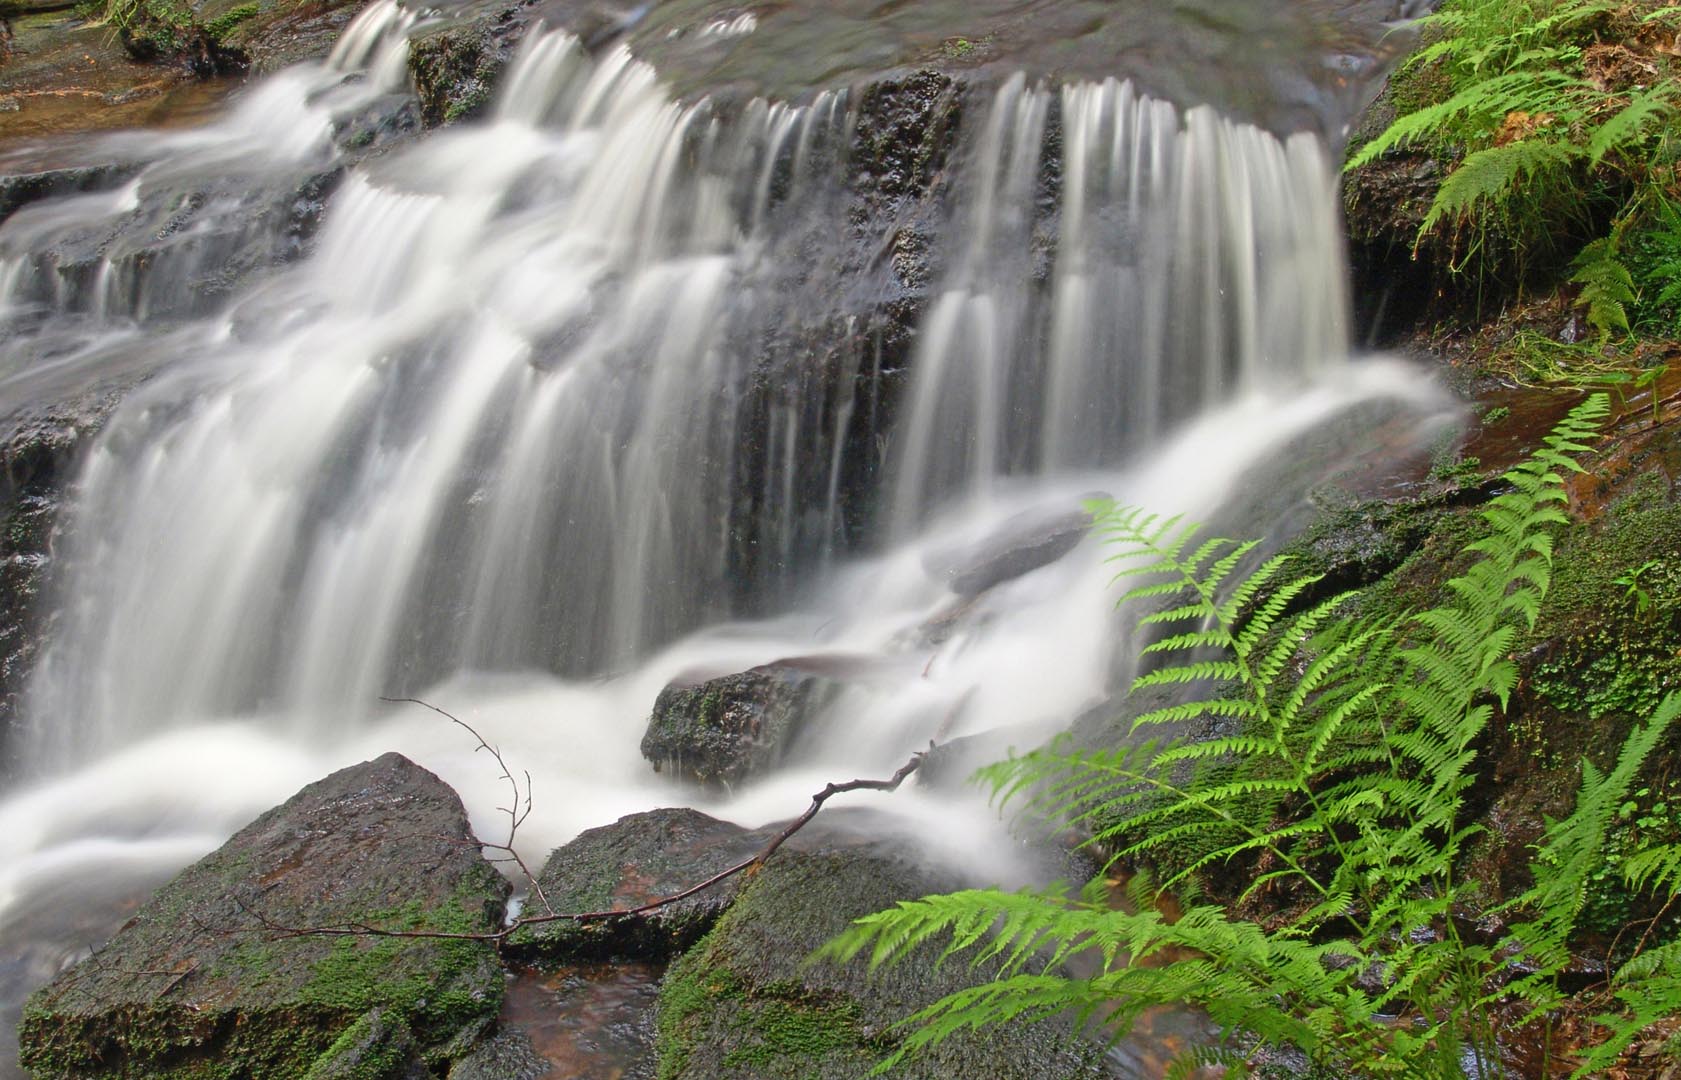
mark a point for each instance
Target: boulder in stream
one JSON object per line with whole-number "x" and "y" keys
{"x": 207, "y": 981}
{"x": 745, "y": 1004}
{"x": 728, "y": 729}
{"x": 635, "y": 860}
{"x": 1019, "y": 546}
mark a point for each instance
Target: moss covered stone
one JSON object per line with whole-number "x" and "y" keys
{"x": 728, "y": 729}
{"x": 639, "y": 858}
{"x": 746, "y": 1003}
{"x": 456, "y": 64}
{"x": 207, "y": 982}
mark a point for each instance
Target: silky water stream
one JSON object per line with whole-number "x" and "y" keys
{"x": 484, "y": 436}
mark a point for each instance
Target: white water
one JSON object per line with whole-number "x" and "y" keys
{"x": 486, "y": 442}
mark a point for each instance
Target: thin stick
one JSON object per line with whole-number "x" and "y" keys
{"x": 516, "y": 814}
{"x": 498, "y": 937}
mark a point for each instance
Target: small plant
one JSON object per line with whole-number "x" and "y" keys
{"x": 1562, "y": 135}
{"x": 1338, "y": 791}
{"x": 1643, "y": 601}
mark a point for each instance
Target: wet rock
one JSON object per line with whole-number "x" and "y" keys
{"x": 376, "y": 1047}
{"x": 1021, "y": 545}
{"x": 456, "y": 65}
{"x": 729, "y": 729}
{"x": 745, "y": 1004}
{"x": 508, "y": 1055}
{"x": 39, "y": 452}
{"x": 949, "y": 766}
{"x": 20, "y": 189}
{"x": 637, "y": 859}
{"x": 203, "y": 982}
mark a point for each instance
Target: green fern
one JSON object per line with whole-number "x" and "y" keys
{"x": 1546, "y": 151}
{"x": 1493, "y": 174}
{"x": 1607, "y": 287}
{"x": 1357, "y": 745}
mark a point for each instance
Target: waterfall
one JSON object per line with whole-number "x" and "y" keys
{"x": 534, "y": 415}
{"x": 528, "y": 402}
{"x": 490, "y": 422}
{"x": 1188, "y": 260}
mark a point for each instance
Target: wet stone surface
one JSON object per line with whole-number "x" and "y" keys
{"x": 745, "y": 1004}
{"x": 635, "y": 860}
{"x": 206, "y": 975}
{"x": 728, "y": 729}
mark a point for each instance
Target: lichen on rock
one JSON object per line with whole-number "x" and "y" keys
{"x": 212, "y": 978}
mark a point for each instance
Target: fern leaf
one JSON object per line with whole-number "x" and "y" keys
{"x": 1491, "y": 174}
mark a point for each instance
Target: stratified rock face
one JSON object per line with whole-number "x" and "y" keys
{"x": 728, "y": 729}
{"x": 635, "y": 860}
{"x": 204, "y": 983}
{"x": 746, "y": 1004}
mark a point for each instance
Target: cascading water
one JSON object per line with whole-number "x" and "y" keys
{"x": 488, "y": 424}
{"x": 521, "y": 425}
{"x": 1195, "y": 259}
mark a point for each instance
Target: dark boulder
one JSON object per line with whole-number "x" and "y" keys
{"x": 20, "y": 189}
{"x": 207, "y": 981}
{"x": 746, "y": 1004}
{"x": 1019, "y": 546}
{"x": 635, "y": 860}
{"x": 726, "y": 730}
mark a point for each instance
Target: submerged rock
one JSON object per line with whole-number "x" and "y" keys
{"x": 728, "y": 729}
{"x": 635, "y": 860}
{"x": 207, "y": 981}
{"x": 508, "y": 1055}
{"x": 745, "y": 1004}
{"x": 1019, "y": 546}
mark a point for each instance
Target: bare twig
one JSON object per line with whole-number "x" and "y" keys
{"x": 517, "y": 813}
{"x": 498, "y": 937}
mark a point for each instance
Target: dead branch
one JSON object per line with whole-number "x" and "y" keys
{"x": 498, "y": 937}
{"x": 515, "y": 811}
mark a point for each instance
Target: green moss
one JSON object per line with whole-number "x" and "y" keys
{"x": 778, "y": 1030}
{"x": 468, "y": 104}
{"x": 219, "y": 27}
{"x": 375, "y": 1047}
{"x": 797, "y": 1029}
{"x": 690, "y": 989}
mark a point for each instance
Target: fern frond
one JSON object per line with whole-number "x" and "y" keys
{"x": 1629, "y": 124}
{"x": 1607, "y": 286}
{"x": 1491, "y": 174}
{"x": 1572, "y": 848}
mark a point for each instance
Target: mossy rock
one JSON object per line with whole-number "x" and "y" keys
{"x": 745, "y": 1004}
{"x": 208, "y": 981}
{"x": 726, "y": 730}
{"x": 376, "y": 1047}
{"x": 221, "y": 36}
{"x": 456, "y": 65}
{"x": 637, "y": 859}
